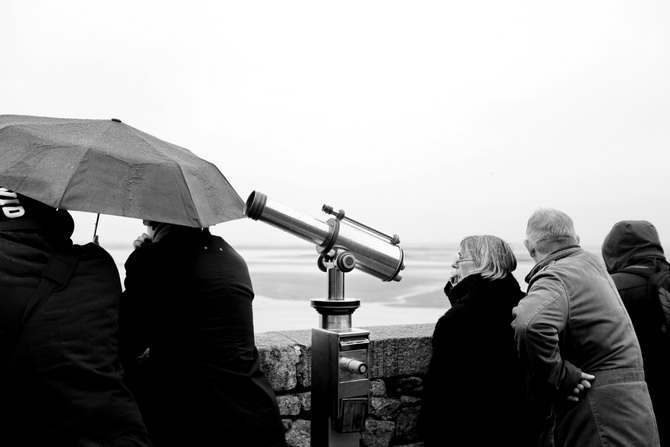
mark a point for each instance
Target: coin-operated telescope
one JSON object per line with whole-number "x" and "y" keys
{"x": 340, "y": 353}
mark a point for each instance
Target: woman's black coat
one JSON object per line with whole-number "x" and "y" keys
{"x": 474, "y": 392}
{"x": 188, "y": 299}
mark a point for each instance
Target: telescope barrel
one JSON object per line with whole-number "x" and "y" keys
{"x": 374, "y": 253}
{"x": 260, "y": 207}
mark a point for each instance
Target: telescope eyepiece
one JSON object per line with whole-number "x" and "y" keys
{"x": 255, "y": 205}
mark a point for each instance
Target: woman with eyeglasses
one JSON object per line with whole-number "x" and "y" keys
{"x": 474, "y": 393}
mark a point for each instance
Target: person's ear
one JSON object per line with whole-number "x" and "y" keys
{"x": 577, "y": 237}
{"x": 530, "y": 248}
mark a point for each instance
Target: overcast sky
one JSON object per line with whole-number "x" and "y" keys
{"x": 432, "y": 120}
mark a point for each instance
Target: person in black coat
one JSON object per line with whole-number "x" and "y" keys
{"x": 632, "y": 250}
{"x": 188, "y": 300}
{"x": 61, "y": 382}
{"x": 474, "y": 391}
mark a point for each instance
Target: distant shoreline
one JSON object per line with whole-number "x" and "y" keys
{"x": 285, "y": 278}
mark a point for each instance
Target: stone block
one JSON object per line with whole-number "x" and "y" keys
{"x": 377, "y": 433}
{"x": 289, "y": 405}
{"x": 279, "y": 357}
{"x": 410, "y": 400}
{"x": 384, "y": 408}
{"x": 301, "y": 340}
{"x": 400, "y": 350}
{"x": 304, "y": 367}
{"x": 305, "y": 401}
{"x": 406, "y": 424}
{"x": 377, "y": 388}
{"x": 299, "y": 435}
{"x": 411, "y": 386}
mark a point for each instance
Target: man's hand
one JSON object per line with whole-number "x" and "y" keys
{"x": 584, "y": 384}
{"x": 141, "y": 241}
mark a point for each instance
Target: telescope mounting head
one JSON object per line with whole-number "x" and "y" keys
{"x": 339, "y": 259}
{"x": 344, "y": 245}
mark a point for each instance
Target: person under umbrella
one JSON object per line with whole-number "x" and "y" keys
{"x": 60, "y": 375}
{"x": 188, "y": 300}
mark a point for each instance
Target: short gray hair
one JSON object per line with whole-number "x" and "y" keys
{"x": 493, "y": 257}
{"x": 549, "y": 229}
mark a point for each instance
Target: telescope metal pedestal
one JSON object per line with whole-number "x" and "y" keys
{"x": 340, "y": 383}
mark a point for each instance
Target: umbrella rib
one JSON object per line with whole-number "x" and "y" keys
{"x": 74, "y": 171}
{"x": 139, "y": 134}
{"x": 190, "y": 194}
{"x": 179, "y": 166}
{"x": 69, "y": 182}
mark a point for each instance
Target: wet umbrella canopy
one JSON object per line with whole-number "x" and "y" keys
{"x": 108, "y": 167}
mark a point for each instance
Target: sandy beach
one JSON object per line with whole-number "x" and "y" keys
{"x": 285, "y": 279}
{"x": 382, "y": 303}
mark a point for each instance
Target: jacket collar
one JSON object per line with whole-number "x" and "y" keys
{"x": 168, "y": 231}
{"x": 476, "y": 285}
{"x": 553, "y": 257}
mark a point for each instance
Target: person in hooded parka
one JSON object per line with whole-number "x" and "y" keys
{"x": 61, "y": 383}
{"x": 632, "y": 251}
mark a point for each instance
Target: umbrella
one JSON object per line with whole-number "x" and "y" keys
{"x": 108, "y": 167}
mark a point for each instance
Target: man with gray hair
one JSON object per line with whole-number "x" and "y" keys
{"x": 577, "y": 341}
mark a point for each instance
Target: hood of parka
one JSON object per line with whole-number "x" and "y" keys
{"x": 631, "y": 242}
{"x": 21, "y": 213}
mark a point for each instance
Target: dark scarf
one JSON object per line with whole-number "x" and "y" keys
{"x": 478, "y": 286}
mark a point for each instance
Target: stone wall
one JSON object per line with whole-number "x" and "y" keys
{"x": 399, "y": 357}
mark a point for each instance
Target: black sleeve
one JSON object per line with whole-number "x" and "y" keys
{"x": 133, "y": 311}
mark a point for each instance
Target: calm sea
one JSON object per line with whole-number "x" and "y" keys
{"x": 285, "y": 279}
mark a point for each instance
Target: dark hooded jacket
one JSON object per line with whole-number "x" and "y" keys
{"x": 188, "y": 299}
{"x": 61, "y": 381}
{"x": 635, "y": 246}
{"x": 474, "y": 393}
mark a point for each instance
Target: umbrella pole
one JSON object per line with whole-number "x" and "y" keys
{"x": 95, "y": 230}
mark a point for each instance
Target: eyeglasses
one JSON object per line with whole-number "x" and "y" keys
{"x": 461, "y": 259}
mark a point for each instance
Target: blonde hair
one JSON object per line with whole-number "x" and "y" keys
{"x": 493, "y": 258}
